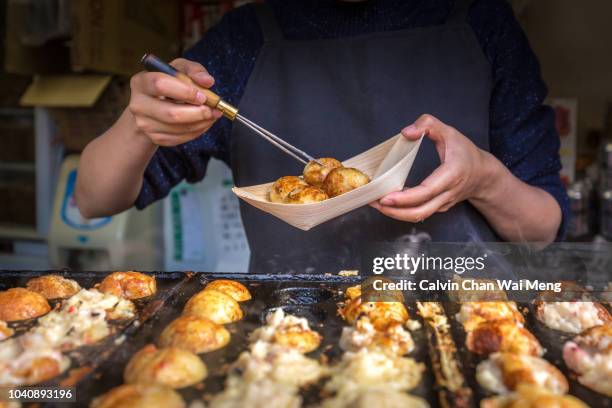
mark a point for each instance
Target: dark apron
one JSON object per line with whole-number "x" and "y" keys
{"x": 340, "y": 97}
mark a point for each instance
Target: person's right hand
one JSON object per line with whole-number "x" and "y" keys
{"x": 167, "y": 111}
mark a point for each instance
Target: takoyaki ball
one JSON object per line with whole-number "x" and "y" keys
{"x": 531, "y": 396}
{"x": 22, "y": 304}
{"x": 502, "y": 335}
{"x": 53, "y": 286}
{"x": 214, "y": 305}
{"x": 315, "y": 174}
{"x": 196, "y": 334}
{"x": 342, "y": 180}
{"x": 572, "y": 317}
{"x": 503, "y": 372}
{"x": 236, "y": 290}
{"x": 306, "y": 195}
{"x": 283, "y": 186}
{"x": 129, "y": 285}
{"x": 381, "y": 314}
{"x": 169, "y": 366}
{"x": 474, "y": 313}
{"x": 139, "y": 396}
{"x": 5, "y": 331}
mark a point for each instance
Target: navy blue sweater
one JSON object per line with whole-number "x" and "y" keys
{"x": 522, "y": 133}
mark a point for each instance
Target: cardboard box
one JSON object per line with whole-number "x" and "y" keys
{"x": 82, "y": 106}
{"x": 24, "y": 59}
{"x": 112, "y": 35}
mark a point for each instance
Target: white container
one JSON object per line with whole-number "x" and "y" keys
{"x": 387, "y": 165}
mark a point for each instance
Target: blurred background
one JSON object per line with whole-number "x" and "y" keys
{"x": 65, "y": 68}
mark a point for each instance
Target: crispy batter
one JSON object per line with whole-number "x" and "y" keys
{"x": 315, "y": 174}
{"x": 129, "y": 285}
{"x": 235, "y": 289}
{"x": 196, "y": 334}
{"x": 170, "y": 366}
{"x": 529, "y": 396}
{"x": 342, "y": 180}
{"x": 381, "y": 314}
{"x": 53, "y": 286}
{"x": 283, "y": 186}
{"x": 139, "y": 396}
{"x": 306, "y": 195}
{"x": 352, "y": 292}
{"x": 22, "y": 304}
{"x": 214, "y": 305}
{"x": 474, "y": 313}
{"x": 503, "y": 372}
{"x": 502, "y": 335}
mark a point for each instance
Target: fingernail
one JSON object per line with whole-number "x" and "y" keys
{"x": 410, "y": 129}
{"x": 217, "y": 113}
{"x": 200, "y": 97}
{"x": 203, "y": 76}
{"x": 387, "y": 201}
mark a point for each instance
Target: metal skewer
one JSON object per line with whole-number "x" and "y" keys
{"x": 152, "y": 63}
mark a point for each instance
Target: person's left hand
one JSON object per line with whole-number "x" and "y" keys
{"x": 461, "y": 175}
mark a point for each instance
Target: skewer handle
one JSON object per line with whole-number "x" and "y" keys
{"x": 214, "y": 101}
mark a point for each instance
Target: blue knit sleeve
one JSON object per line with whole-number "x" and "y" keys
{"x": 522, "y": 129}
{"x": 228, "y": 51}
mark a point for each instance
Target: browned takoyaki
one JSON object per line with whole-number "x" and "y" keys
{"x": 283, "y": 186}
{"x": 342, "y": 180}
{"x": 288, "y": 331}
{"x": 531, "y": 396}
{"x": 129, "y": 285}
{"x": 235, "y": 289}
{"x": 214, "y": 305}
{"x": 169, "y": 366}
{"x": 53, "y": 286}
{"x": 315, "y": 174}
{"x": 22, "y": 304}
{"x": 306, "y": 195}
{"x": 394, "y": 339}
{"x": 472, "y": 314}
{"x": 381, "y": 314}
{"x": 139, "y": 396}
{"x": 502, "y": 335}
{"x": 503, "y": 372}
{"x": 196, "y": 334}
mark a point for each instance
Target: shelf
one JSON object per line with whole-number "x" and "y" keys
{"x": 29, "y": 167}
{"x": 19, "y": 232}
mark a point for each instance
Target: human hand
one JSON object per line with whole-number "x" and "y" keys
{"x": 169, "y": 112}
{"x": 461, "y": 176}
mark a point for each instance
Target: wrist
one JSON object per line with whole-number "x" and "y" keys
{"x": 135, "y": 137}
{"x": 490, "y": 179}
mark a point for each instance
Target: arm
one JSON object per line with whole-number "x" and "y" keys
{"x": 513, "y": 208}
{"x": 111, "y": 168}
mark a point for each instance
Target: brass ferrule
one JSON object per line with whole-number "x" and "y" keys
{"x": 228, "y": 110}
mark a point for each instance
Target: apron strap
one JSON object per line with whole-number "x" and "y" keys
{"x": 459, "y": 12}
{"x": 267, "y": 21}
